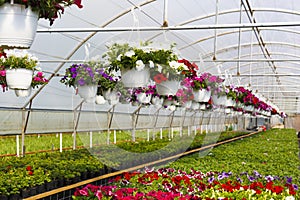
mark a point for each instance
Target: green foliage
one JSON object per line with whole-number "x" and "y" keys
{"x": 15, "y": 59}
{"x": 274, "y": 152}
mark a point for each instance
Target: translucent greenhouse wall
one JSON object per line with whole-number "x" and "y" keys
{"x": 60, "y": 121}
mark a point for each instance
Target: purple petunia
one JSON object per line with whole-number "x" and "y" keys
{"x": 81, "y": 81}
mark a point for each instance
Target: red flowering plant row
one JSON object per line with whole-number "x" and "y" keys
{"x": 168, "y": 183}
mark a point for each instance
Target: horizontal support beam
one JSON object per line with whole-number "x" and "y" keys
{"x": 253, "y": 60}
{"x": 170, "y": 28}
{"x": 264, "y": 75}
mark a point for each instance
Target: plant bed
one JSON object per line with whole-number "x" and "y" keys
{"x": 54, "y": 170}
{"x": 264, "y": 166}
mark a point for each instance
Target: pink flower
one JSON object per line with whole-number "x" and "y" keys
{"x": 2, "y": 73}
{"x": 84, "y": 192}
{"x": 40, "y": 74}
{"x": 37, "y": 78}
{"x": 98, "y": 194}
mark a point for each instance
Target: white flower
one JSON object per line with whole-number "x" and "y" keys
{"x": 100, "y": 99}
{"x": 159, "y": 68}
{"x": 139, "y": 65}
{"x": 129, "y": 53}
{"x": 119, "y": 57}
{"x": 172, "y": 107}
{"x": 289, "y": 198}
{"x": 151, "y": 64}
{"x": 174, "y": 64}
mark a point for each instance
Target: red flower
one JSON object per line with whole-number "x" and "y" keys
{"x": 158, "y": 78}
{"x": 78, "y": 3}
{"x": 28, "y": 168}
{"x": 30, "y": 173}
{"x": 192, "y": 67}
{"x": 277, "y": 189}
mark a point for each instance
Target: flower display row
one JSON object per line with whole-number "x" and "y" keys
{"x": 148, "y": 75}
{"x": 143, "y": 75}
{"x": 19, "y": 71}
{"x": 169, "y": 183}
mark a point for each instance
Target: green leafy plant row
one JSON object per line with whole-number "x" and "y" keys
{"x": 274, "y": 152}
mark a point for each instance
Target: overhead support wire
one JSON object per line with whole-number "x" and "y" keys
{"x": 165, "y": 20}
{"x": 216, "y": 31}
{"x": 239, "y": 41}
{"x": 260, "y": 40}
{"x": 170, "y": 28}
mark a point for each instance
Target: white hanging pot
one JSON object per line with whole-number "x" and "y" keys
{"x": 157, "y": 101}
{"x": 143, "y": 97}
{"x": 19, "y": 78}
{"x": 227, "y": 110}
{"x": 23, "y": 92}
{"x": 18, "y": 25}
{"x": 249, "y": 108}
{"x": 188, "y": 104}
{"x": 219, "y": 100}
{"x": 201, "y": 95}
{"x": 195, "y": 105}
{"x": 202, "y": 106}
{"x": 168, "y": 87}
{"x": 230, "y": 102}
{"x": 87, "y": 92}
{"x": 167, "y": 103}
{"x": 111, "y": 96}
{"x": 133, "y": 78}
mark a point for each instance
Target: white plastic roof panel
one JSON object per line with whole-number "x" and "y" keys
{"x": 265, "y": 53}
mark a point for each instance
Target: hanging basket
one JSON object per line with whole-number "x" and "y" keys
{"x": 19, "y": 78}
{"x": 201, "y": 95}
{"x": 195, "y": 105}
{"x": 143, "y": 97}
{"x": 87, "y": 92}
{"x": 133, "y": 78}
{"x": 188, "y": 104}
{"x": 219, "y": 100}
{"x": 18, "y": 25}
{"x": 230, "y": 102}
{"x": 23, "y": 93}
{"x": 157, "y": 101}
{"x": 249, "y": 108}
{"x": 111, "y": 96}
{"x": 168, "y": 87}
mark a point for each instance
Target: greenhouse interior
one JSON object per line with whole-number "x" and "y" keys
{"x": 149, "y": 99}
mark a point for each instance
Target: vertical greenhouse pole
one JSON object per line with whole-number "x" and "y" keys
{"x": 193, "y": 122}
{"x": 24, "y": 126}
{"x": 76, "y": 121}
{"x": 182, "y": 122}
{"x": 115, "y": 136}
{"x": 110, "y": 114}
{"x": 155, "y": 123}
{"x": 91, "y": 139}
{"x": 135, "y": 116}
{"x": 18, "y": 145}
{"x": 171, "y": 117}
{"x": 60, "y": 142}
